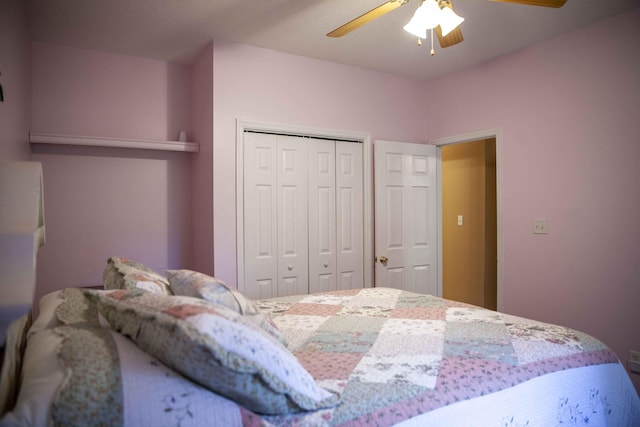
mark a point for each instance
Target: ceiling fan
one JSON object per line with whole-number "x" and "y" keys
{"x": 445, "y": 39}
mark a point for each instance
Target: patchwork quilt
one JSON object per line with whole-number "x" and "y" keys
{"x": 392, "y": 356}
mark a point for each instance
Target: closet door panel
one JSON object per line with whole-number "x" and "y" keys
{"x": 349, "y": 215}
{"x": 322, "y": 215}
{"x": 292, "y": 216}
{"x": 260, "y": 215}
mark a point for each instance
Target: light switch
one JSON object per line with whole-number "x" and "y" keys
{"x": 540, "y": 226}
{"x": 460, "y": 220}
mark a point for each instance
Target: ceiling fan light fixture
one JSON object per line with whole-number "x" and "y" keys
{"x": 414, "y": 27}
{"x": 449, "y": 20}
{"x": 426, "y": 17}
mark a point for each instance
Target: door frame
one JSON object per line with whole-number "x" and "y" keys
{"x": 367, "y": 184}
{"x": 468, "y": 137}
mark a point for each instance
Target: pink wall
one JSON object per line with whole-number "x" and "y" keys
{"x": 85, "y": 92}
{"x": 268, "y": 86}
{"x": 569, "y": 109}
{"x": 110, "y": 201}
{"x": 15, "y": 78}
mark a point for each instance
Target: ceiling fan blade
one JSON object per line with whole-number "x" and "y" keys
{"x": 544, "y": 3}
{"x": 453, "y": 38}
{"x": 367, "y": 17}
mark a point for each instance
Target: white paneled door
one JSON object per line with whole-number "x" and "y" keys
{"x": 293, "y": 267}
{"x": 260, "y": 215}
{"x": 303, "y": 215}
{"x": 406, "y": 216}
{"x": 322, "y": 216}
{"x": 350, "y": 219}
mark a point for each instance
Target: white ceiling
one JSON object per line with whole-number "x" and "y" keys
{"x": 176, "y": 30}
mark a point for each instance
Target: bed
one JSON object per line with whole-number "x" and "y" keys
{"x": 182, "y": 348}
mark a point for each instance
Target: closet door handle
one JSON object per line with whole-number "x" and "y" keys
{"x": 290, "y": 267}
{"x": 326, "y": 264}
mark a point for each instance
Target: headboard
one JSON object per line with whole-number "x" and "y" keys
{"x": 22, "y": 232}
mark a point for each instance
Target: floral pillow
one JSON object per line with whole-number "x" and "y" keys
{"x": 123, "y": 273}
{"x": 215, "y": 347}
{"x": 199, "y": 285}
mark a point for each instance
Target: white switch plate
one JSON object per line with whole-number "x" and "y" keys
{"x": 460, "y": 220}
{"x": 540, "y": 226}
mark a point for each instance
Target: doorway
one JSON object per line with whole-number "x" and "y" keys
{"x": 469, "y": 222}
{"x": 470, "y": 173}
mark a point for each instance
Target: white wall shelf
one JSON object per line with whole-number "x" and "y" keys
{"x": 93, "y": 141}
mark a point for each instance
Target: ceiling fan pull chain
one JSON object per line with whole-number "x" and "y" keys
{"x": 433, "y": 52}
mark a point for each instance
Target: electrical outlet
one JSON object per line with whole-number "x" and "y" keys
{"x": 540, "y": 226}
{"x": 634, "y": 361}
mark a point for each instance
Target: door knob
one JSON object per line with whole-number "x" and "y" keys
{"x": 290, "y": 267}
{"x": 383, "y": 260}
{"x": 326, "y": 264}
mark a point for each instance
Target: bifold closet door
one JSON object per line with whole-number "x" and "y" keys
{"x": 293, "y": 218}
{"x": 260, "y": 215}
{"x": 303, "y": 215}
{"x": 336, "y": 253}
{"x": 322, "y": 215}
{"x": 275, "y": 215}
{"x": 349, "y": 216}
